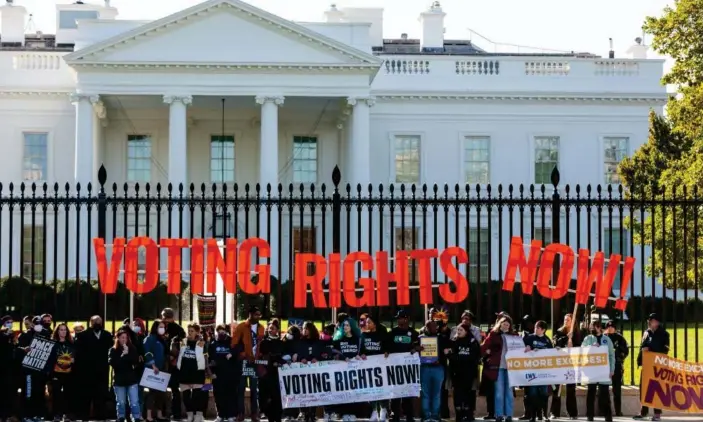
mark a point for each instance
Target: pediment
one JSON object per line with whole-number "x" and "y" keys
{"x": 223, "y": 32}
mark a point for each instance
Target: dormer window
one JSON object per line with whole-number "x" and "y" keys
{"x": 68, "y": 18}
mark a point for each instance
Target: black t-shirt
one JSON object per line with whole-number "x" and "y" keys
{"x": 402, "y": 340}
{"x": 65, "y": 357}
{"x": 536, "y": 342}
{"x": 349, "y": 347}
{"x": 372, "y": 343}
{"x": 189, "y": 373}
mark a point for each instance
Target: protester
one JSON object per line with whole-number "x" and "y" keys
{"x": 347, "y": 347}
{"x": 225, "y": 376}
{"x": 563, "y": 338}
{"x": 291, "y": 343}
{"x": 656, "y": 340}
{"x": 488, "y": 376}
{"x": 156, "y": 359}
{"x": 35, "y": 381}
{"x": 528, "y": 328}
{"x": 496, "y": 369}
{"x": 467, "y": 318}
{"x": 432, "y": 375}
{"x": 8, "y": 368}
{"x": 271, "y": 350}
{"x": 621, "y": 351}
{"x": 174, "y": 335}
{"x": 93, "y": 370}
{"x": 598, "y": 339}
{"x": 372, "y": 342}
{"x": 464, "y": 356}
{"x": 310, "y": 350}
{"x": 537, "y": 396}
{"x": 62, "y": 376}
{"x": 124, "y": 359}
{"x": 402, "y": 339}
{"x": 246, "y": 338}
{"x": 192, "y": 367}
{"x": 441, "y": 319}
{"x": 78, "y": 328}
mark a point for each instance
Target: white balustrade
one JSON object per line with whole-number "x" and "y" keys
{"x": 37, "y": 61}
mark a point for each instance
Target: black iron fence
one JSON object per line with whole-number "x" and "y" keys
{"x": 48, "y": 263}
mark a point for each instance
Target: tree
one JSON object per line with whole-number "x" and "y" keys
{"x": 667, "y": 171}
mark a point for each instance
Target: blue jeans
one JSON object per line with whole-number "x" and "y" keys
{"x": 504, "y": 395}
{"x": 121, "y": 395}
{"x": 431, "y": 378}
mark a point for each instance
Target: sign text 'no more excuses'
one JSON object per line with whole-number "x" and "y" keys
{"x": 337, "y": 274}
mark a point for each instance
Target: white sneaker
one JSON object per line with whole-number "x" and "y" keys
{"x": 334, "y": 416}
{"x": 374, "y": 416}
{"x": 190, "y": 417}
{"x": 352, "y": 418}
{"x": 345, "y": 418}
{"x": 326, "y": 417}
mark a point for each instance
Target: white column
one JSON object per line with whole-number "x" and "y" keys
{"x": 84, "y": 145}
{"x": 268, "y": 173}
{"x": 178, "y": 154}
{"x": 360, "y": 151}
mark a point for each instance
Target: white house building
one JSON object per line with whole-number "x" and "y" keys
{"x": 224, "y": 92}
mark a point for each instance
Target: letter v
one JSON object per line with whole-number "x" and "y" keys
{"x": 107, "y": 276}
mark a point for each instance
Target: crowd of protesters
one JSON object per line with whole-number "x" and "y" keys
{"x": 230, "y": 363}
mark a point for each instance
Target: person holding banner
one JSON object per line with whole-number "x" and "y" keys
{"x": 563, "y": 338}
{"x": 271, "y": 350}
{"x": 124, "y": 359}
{"x": 621, "y": 352}
{"x": 347, "y": 346}
{"x": 62, "y": 376}
{"x": 372, "y": 342}
{"x": 225, "y": 378}
{"x": 8, "y": 369}
{"x": 655, "y": 339}
{"x": 34, "y": 403}
{"x": 155, "y": 359}
{"x": 310, "y": 349}
{"x": 495, "y": 368}
{"x": 291, "y": 343}
{"x": 402, "y": 339}
{"x": 598, "y": 339}
{"x": 537, "y": 395}
{"x": 432, "y": 351}
{"x": 464, "y": 355}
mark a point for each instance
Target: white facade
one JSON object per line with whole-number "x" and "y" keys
{"x": 145, "y": 98}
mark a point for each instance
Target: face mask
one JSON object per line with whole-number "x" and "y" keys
{"x": 46, "y": 325}
{"x": 221, "y": 336}
{"x": 325, "y": 337}
{"x": 8, "y": 325}
{"x": 97, "y": 327}
{"x": 289, "y": 336}
{"x": 594, "y": 332}
{"x": 137, "y": 330}
{"x": 161, "y": 331}
{"x": 38, "y": 328}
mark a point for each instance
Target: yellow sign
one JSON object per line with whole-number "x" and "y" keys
{"x": 430, "y": 350}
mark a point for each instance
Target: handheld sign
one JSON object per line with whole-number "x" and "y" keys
{"x": 154, "y": 381}
{"x": 430, "y": 350}
{"x": 41, "y": 355}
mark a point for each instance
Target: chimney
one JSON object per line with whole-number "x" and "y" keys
{"x": 333, "y": 14}
{"x": 638, "y": 50}
{"x": 12, "y": 22}
{"x": 67, "y": 16}
{"x": 432, "y": 22}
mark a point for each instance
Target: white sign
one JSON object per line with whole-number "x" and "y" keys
{"x": 574, "y": 365}
{"x": 154, "y": 381}
{"x": 336, "y": 382}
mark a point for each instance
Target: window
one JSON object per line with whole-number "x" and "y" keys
{"x": 546, "y": 158}
{"x": 304, "y": 159}
{"x": 478, "y": 255}
{"x": 36, "y": 151}
{"x": 67, "y": 18}
{"x": 138, "y": 158}
{"x": 614, "y": 150}
{"x": 619, "y": 237}
{"x": 222, "y": 159}
{"x": 477, "y": 159}
{"x": 406, "y": 239}
{"x": 33, "y": 255}
{"x": 543, "y": 234}
{"x": 305, "y": 241}
{"x": 407, "y": 159}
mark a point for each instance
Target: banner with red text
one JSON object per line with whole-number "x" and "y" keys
{"x": 671, "y": 384}
{"x": 573, "y": 365}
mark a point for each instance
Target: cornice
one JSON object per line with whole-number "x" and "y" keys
{"x": 229, "y": 67}
{"x": 611, "y": 98}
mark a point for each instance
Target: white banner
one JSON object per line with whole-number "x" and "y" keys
{"x": 336, "y": 382}
{"x": 574, "y": 365}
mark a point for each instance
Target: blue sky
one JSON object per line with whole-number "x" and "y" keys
{"x": 549, "y": 24}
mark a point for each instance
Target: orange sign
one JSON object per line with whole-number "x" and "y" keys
{"x": 339, "y": 273}
{"x": 671, "y": 384}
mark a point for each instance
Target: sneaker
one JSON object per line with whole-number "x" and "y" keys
{"x": 489, "y": 418}
{"x": 383, "y": 415}
{"x": 374, "y": 416}
{"x": 656, "y": 417}
{"x": 524, "y": 418}
{"x": 638, "y": 417}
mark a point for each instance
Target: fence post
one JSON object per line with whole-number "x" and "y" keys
{"x": 336, "y": 220}
{"x": 102, "y": 230}
{"x": 556, "y": 235}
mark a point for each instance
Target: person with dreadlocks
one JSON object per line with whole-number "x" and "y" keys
{"x": 347, "y": 346}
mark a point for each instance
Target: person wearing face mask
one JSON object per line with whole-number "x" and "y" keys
{"x": 123, "y": 359}
{"x": 93, "y": 370}
{"x": 192, "y": 366}
{"x": 565, "y": 337}
{"x": 598, "y": 339}
{"x": 225, "y": 378}
{"x": 246, "y": 338}
{"x": 464, "y": 356}
{"x": 156, "y": 359}
{"x": 537, "y": 396}
{"x": 402, "y": 339}
{"x": 136, "y": 336}
{"x": 34, "y": 403}
{"x": 495, "y": 367}
{"x": 291, "y": 343}
{"x": 372, "y": 342}
{"x": 271, "y": 350}
{"x": 174, "y": 335}
{"x": 655, "y": 339}
{"x": 8, "y": 368}
{"x": 62, "y": 376}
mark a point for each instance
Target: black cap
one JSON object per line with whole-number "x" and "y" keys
{"x": 254, "y": 309}
{"x": 47, "y": 316}
{"x": 653, "y": 316}
{"x": 401, "y": 314}
{"x": 5, "y": 319}
{"x": 36, "y": 320}
{"x": 126, "y": 321}
{"x": 469, "y": 314}
{"x": 610, "y": 323}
